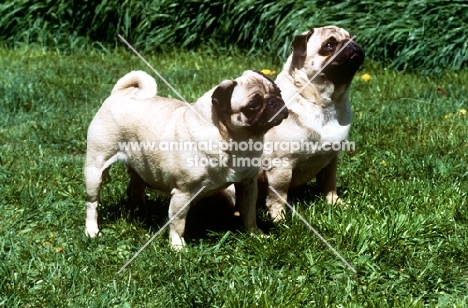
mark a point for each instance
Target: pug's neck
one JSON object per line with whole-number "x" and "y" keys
{"x": 320, "y": 92}
{"x": 297, "y": 84}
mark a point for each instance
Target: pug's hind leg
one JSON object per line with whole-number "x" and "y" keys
{"x": 96, "y": 169}
{"x": 93, "y": 177}
{"x": 136, "y": 191}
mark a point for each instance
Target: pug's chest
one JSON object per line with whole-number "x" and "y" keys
{"x": 321, "y": 125}
{"x": 317, "y": 142}
{"x": 333, "y": 132}
{"x": 223, "y": 170}
{"x": 241, "y": 174}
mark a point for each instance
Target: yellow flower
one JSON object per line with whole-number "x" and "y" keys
{"x": 365, "y": 77}
{"x": 448, "y": 116}
{"x": 383, "y": 163}
{"x": 462, "y": 111}
{"x": 268, "y": 72}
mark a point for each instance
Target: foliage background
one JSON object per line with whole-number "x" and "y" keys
{"x": 417, "y": 34}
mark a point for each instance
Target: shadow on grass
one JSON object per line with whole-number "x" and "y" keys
{"x": 211, "y": 214}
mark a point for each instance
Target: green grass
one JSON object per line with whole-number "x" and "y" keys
{"x": 405, "y": 230}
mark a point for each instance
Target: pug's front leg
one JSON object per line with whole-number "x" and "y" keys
{"x": 246, "y": 201}
{"x": 326, "y": 179}
{"x": 278, "y": 185}
{"x": 178, "y": 209}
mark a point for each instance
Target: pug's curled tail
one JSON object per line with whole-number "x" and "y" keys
{"x": 138, "y": 83}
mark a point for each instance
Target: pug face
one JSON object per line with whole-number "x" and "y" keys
{"x": 249, "y": 103}
{"x": 329, "y": 49}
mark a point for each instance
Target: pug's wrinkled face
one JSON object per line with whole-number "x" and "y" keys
{"x": 252, "y": 103}
{"x": 312, "y": 50}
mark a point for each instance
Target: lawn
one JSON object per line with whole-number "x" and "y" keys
{"x": 405, "y": 229}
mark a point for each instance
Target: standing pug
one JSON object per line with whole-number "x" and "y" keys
{"x": 319, "y": 112}
{"x": 234, "y": 111}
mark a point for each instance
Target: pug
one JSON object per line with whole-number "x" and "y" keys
{"x": 315, "y": 84}
{"x": 135, "y": 126}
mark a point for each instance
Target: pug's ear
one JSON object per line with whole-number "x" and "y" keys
{"x": 299, "y": 45}
{"x": 221, "y": 97}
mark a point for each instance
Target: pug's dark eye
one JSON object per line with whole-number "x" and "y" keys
{"x": 254, "y": 105}
{"x": 328, "y": 47}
